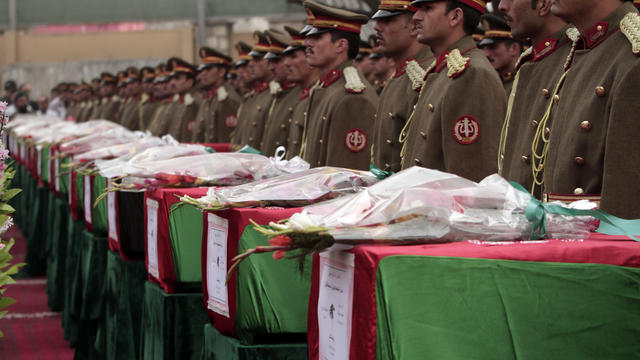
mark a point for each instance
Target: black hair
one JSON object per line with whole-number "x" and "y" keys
{"x": 471, "y": 16}
{"x": 352, "y": 38}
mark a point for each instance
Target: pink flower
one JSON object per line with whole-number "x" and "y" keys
{"x": 279, "y": 254}
{"x": 280, "y": 240}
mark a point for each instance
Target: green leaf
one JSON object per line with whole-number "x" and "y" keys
{"x": 5, "y": 301}
{"x": 9, "y": 194}
{"x": 6, "y": 208}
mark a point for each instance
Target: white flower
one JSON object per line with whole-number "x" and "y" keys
{"x": 7, "y": 224}
{"x": 301, "y": 221}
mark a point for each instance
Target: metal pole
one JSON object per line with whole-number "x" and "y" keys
{"x": 202, "y": 11}
{"x": 13, "y": 21}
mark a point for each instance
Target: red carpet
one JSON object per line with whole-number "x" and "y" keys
{"x": 30, "y": 330}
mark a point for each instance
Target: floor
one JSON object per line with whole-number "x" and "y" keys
{"x": 30, "y": 330}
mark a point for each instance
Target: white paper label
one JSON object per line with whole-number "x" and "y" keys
{"x": 39, "y": 162}
{"x": 152, "y": 237}
{"x": 217, "y": 236}
{"x": 56, "y": 173}
{"x": 111, "y": 213}
{"x": 335, "y": 303}
{"x": 87, "y": 199}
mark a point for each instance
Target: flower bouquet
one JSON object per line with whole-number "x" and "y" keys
{"x": 420, "y": 205}
{"x": 97, "y": 141}
{"x": 289, "y": 190}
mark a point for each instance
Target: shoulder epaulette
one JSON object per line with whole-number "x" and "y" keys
{"x": 188, "y": 99}
{"x": 456, "y": 63}
{"x": 353, "y": 83}
{"x": 630, "y": 27}
{"x": 416, "y": 74}
{"x": 115, "y": 98}
{"x": 145, "y": 97}
{"x": 523, "y": 57}
{"x": 175, "y": 98}
{"x": 274, "y": 87}
{"x": 222, "y": 94}
{"x": 574, "y": 35}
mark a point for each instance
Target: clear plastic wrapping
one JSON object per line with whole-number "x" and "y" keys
{"x": 296, "y": 189}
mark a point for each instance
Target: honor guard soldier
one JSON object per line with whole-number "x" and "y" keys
{"x": 500, "y": 48}
{"x": 363, "y": 61}
{"x": 73, "y": 105}
{"x": 457, "y": 120}
{"x": 149, "y": 107}
{"x": 397, "y": 39}
{"x": 84, "y": 96}
{"x": 305, "y": 76}
{"x": 342, "y": 107}
{"x": 593, "y": 148}
{"x": 147, "y": 100}
{"x": 383, "y": 66}
{"x": 538, "y": 73}
{"x": 158, "y": 126}
{"x": 286, "y": 94}
{"x": 110, "y": 100}
{"x": 253, "y": 112}
{"x": 216, "y": 116}
{"x": 130, "y": 114}
{"x": 241, "y": 67}
{"x": 181, "y": 115}
{"x": 123, "y": 94}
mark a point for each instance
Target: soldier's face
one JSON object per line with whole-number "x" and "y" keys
{"x": 278, "y": 69}
{"x": 147, "y": 87}
{"x": 394, "y": 33}
{"x": 182, "y": 83}
{"x": 297, "y": 66}
{"x": 501, "y": 55}
{"x": 366, "y": 65}
{"x": 522, "y": 17}
{"x": 382, "y": 66}
{"x": 432, "y": 22}
{"x": 320, "y": 50}
{"x": 570, "y": 9}
{"x": 258, "y": 69}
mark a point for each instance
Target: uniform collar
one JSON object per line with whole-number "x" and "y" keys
{"x": 465, "y": 45}
{"x": 260, "y": 87}
{"x": 333, "y": 75}
{"x": 422, "y": 56}
{"x": 605, "y": 28}
{"x": 549, "y": 45}
{"x": 211, "y": 93}
{"x": 305, "y": 93}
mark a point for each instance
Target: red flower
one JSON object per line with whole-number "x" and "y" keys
{"x": 279, "y": 254}
{"x": 280, "y": 240}
{"x": 187, "y": 179}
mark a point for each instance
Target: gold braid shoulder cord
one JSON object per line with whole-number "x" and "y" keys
{"x": 539, "y": 158}
{"x": 303, "y": 144}
{"x": 403, "y": 134}
{"x": 507, "y": 119}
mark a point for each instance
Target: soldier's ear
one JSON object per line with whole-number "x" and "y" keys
{"x": 544, "y": 7}
{"x": 341, "y": 46}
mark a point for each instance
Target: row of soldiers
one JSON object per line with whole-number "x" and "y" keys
{"x": 560, "y": 119}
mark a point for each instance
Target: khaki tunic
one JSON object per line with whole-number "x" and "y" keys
{"x": 72, "y": 111}
{"x": 296, "y": 127}
{"x": 85, "y": 111}
{"x": 276, "y": 130}
{"x": 593, "y": 146}
{"x": 216, "y": 116}
{"x": 159, "y": 125}
{"x": 458, "y": 118}
{"x": 183, "y": 118}
{"x": 130, "y": 116}
{"x": 537, "y": 78}
{"x": 98, "y": 104}
{"x": 340, "y": 123}
{"x": 110, "y": 109}
{"x": 396, "y": 105}
{"x": 146, "y": 111}
{"x": 252, "y": 115}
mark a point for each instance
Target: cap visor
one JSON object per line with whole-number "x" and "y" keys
{"x": 385, "y": 14}
{"x": 291, "y": 49}
{"x": 272, "y": 56}
{"x": 306, "y": 29}
{"x": 204, "y": 66}
{"x": 487, "y": 42}
{"x": 316, "y": 31}
{"x": 375, "y": 56}
{"x": 257, "y": 54}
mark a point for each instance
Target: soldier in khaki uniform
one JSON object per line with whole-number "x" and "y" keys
{"x": 150, "y": 97}
{"x": 383, "y": 66}
{"x": 593, "y": 144}
{"x": 397, "y": 39}
{"x": 241, "y": 67}
{"x": 253, "y": 112}
{"x": 286, "y": 95}
{"x": 342, "y": 107}
{"x": 158, "y": 125}
{"x": 181, "y": 114}
{"x": 500, "y": 48}
{"x": 123, "y": 94}
{"x": 129, "y": 114}
{"x": 84, "y": 96}
{"x": 110, "y": 100}
{"x": 456, "y": 124}
{"x": 363, "y": 61}
{"x": 299, "y": 72}
{"x": 538, "y": 72}
{"x": 73, "y": 107}
{"x": 216, "y": 116}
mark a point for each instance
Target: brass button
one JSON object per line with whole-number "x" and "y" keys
{"x": 304, "y": 113}
{"x": 296, "y": 122}
{"x": 599, "y": 27}
{"x": 283, "y": 126}
{"x": 277, "y": 142}
{"x": 579, "y": 160}
{"x": 391, "y": 115}
{"x": 290, "y": 109}
{"x": 534, "y": 123}
{"x": 259, "y": 107}
{"x": 290, "y": 120}
{"x": 432, "y": 108}
{"x": 389, "y": 142}
{"x": 578, "y": 191}
{"x": 417, "y": 161}
{"x": 585, "y": 125}
{"x": 600, "y": 91}
{"x": 387, "y": 166}
{"x": 556, "y": 98}
{"x": 545, "y": 93}
{"x": 547, "y": 132}
{"x": 250, "y": 139}
{"x": 320, "y": 141}
{"x": 526, "y": 159}
{"x": 295, "y": 142}
{"x": 423, "y": 134}
{"x": 324, "y": 118}
{"x": 546, "y": 43}
{"x": 254, "y": 124}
